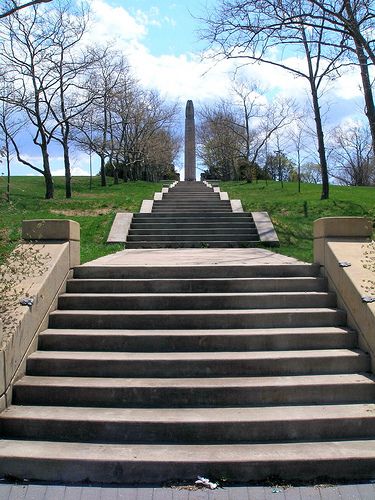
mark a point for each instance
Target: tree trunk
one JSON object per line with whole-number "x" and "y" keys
{"x": 318, "y": 122}
{"x": 47, "y": 173}
{"x": 115, "y": 175}
{"x": 367, "y": 91}
{"x": 7, "y": 155}
{"x": 321, "y": 145}
{"x": 68, "y": 176}
{"x": 102, "y": 171}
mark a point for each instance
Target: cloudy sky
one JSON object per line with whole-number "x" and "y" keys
{"x": 162, "y": 44}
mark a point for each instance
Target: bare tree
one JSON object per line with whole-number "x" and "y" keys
{"x": 26, "y": 48}
{"x": 220, "y": 140}
{"x": 311, "y": 173}
{"x": 353, "y": 156}
{"x": 11, "y": 6}
{"x": 69, "y": 67}
{"x": 252, "y": 30}
{"x": 234, "y": 134}
{"x": 11, "y": 122}
{"x": 349, "y": 27}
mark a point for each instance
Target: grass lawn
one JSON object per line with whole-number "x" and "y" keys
{"x": 94, "y": 209}
{"x": 292, "y": 213}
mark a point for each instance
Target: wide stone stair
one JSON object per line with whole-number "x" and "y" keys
{"x": 192, "y": 215}
{"x": 149, "y": 374}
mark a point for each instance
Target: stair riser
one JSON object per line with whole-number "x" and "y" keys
{"x": 192, "y": 343}
{"x": 202, "y": 218}
{"x": 189, "y": 272}
{"x": 190, "y": 368}
{"x": 196, "y": 232}
{"x": 148, "y": 302}
{"x": 193, "y": 205}
{"x": 143, "y": 472}
{"x": 244, "y": 236}
{"x": 194, "y": 209}
{"x": 175, "y": 397}
{"x": 199, "y": 286}
{"x": 188, "y": 432}
{"x": 191, "y": 244}
{"x": 196, "y": 321}
{"x": 197, "y": 226}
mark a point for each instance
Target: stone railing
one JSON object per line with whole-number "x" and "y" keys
{"x": 57, "y": 246}
{"x": 340, "y": 247}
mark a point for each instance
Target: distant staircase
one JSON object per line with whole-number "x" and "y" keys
{"x": 192, "y": 215}
{"x": 149, "y": 374}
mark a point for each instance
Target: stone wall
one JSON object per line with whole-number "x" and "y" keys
{"x": 340, "y": 247}
{"x": 57, "y": 246}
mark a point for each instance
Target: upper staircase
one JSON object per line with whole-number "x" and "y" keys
{"x": 148, "y": 374}
{"x": 192, "y": 215}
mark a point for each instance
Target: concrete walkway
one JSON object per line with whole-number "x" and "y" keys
{"x": 193, "y": 257}
{"x": 10, "y": 491}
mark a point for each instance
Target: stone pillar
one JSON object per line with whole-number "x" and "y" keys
{"x": 190, "y": 161}
{"x": 55, "y": 230}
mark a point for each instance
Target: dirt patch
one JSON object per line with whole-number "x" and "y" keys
{"x": 91, "y": 212}
{"x": 4, "y": 234}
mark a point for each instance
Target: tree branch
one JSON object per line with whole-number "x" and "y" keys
{"x": 16, "y": 8}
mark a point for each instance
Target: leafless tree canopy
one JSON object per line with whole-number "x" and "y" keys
{"x": 328, "y": 34}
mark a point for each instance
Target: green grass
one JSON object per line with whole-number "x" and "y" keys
{"x": 293, "y": 213}
{"x": 94, "y": 209}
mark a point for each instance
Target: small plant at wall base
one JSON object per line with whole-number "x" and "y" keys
{"x": 23, "y": 262}
{"x": 368, "y": 262}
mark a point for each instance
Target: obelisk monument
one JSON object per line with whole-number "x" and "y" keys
{"x": 190, "y": 161}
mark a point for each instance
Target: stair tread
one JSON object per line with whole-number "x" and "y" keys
{"x": 196, "y": 356}
{"x": 214, "y": 382}
{"x": 11, "y": 449}
{"x": 201, "y": 294}
{"x": 180, "y": 415}
{"x": 207, "y": 312}
{"x": 209, "y": 332}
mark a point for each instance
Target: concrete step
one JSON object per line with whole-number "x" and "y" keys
{"x": 191, "y": 196}
{"x": 181, "y": 230}
{"x": 272, "y": 339}
{"x": 195, "y": 301}
{"x": 196, "y": 364}
{"x": 205, "y": 392}
{"x": 205, "y": 216}
{"x": 217, "y": 319}
{"x": 192, "y": 244}
{"x": 189, "y": 426}
{"x": 188, "y": 210}
{"x": 143, "y": 463}
{"x": 182, "y": 237}
{"x": 202, "y": 271}
{"x": 192, "y": 203}
{"x": 214, "y": 285}
{"x": 198, "y": 226}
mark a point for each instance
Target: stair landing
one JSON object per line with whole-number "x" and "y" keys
{"x": 193, "y": 257}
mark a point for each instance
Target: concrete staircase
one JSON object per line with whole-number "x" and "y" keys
{"x": 149, "y": 374}
{"x": 192, "y": 215}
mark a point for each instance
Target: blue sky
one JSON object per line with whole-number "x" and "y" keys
{"x": 161, "y": 42}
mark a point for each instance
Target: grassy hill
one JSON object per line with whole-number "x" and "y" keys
{"x": 94, "y": 209}
{"x": 293, "y": 213}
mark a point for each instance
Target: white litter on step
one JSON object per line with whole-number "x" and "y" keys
{"x": 206, "y": 482}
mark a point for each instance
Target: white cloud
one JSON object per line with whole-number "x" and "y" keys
{"x": 114, "y": 21}
{"x": 187, "y": 76}
{"x": 74, "y": 171}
